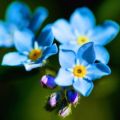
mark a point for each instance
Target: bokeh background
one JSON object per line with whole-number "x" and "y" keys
{"x": 22, "y": 97}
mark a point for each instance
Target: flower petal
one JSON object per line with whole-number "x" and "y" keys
{"x": 64, "y": 78}
{"x": 98, "y": 70}
{"x": 86, "y": 52}
{"x": 101, "y": 54}
{"x": 38, "y": 18}
{"x": 62, "y": 31}
{"x": 82, "y": 20}
{"x": 105, "y": 33}
{"x": 23, "y": 40}
{"x": 6, "y": 39}
{"x": 30, "y": 66}
{"x": 67, "y": 58}
{"x": 83, "y": 86}
{"x": 46, "y": 37}
{"x": 13, "y": 59}
{"x": 69, "y": 47}
{"x": 19, "y": 14}
{"x": 49, "y": 51}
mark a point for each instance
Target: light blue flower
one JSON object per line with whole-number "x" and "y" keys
{"x": 31, "y": 51}
{"x": 82, "y": 29}
{"x": 80, "y": 69}
{"x": 19, "y": 16}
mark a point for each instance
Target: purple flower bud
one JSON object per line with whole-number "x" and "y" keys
{"x": 65, "y": 111}
{"x": 48, "y": 81}
{"x": 72, "y": 96}
{"x": 54, "y": 98}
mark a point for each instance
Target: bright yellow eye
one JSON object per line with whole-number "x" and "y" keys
{"x": 79, "y": 71}
{"x": 82, "y": 40}
{"x": 35, "y": 54}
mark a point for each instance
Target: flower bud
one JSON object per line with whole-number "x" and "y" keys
{"x": 48, "y": 81}
{"x": 65, "y": 111}
{"x": 72, "y": 97}
{"x": 53, "y": 100}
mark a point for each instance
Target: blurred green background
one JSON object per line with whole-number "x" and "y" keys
{"x": 22, "y": 97}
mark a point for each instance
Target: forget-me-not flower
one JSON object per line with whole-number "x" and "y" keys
{"x": 80, "y": 69}
{"x": 19, "y": 16}
{"x": 82, "y": 29}
{"x": 31, "y": 51}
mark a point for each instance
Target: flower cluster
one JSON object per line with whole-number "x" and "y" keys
{"x": 32, "y": 51}
{"x": 82, "y": 55}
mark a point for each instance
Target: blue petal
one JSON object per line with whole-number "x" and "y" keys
{"x": 49, "y": 51}
{"x": 30, "y": 66}
{"x": 62, "y": 31}
{"x": 86, "y": 52}
{"x": 46, "y": 37}
{"x": 83, "y": 86}
{"x": 6, "y": 39}
{"x": 18, "y": 13}
{"x": 82, "y": 20}
{"x": 64, "y": 78}
{"x": 69, "y": 47}
{"x": 67, "y": 58}
{"x": 23, "y": 40}
{"x": 101, "y": 54}
{"x": 98, "y": 70}
{"x": 13, "y": 59}
{"x": 105, "y": 33}
{"x": 38, "y": 18}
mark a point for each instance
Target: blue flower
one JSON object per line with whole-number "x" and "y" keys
{"x": 19, "y": 16}
{"x": 31, "y": 51}
{"x": 80, "y": 69}
{"x": 82, "y": 29}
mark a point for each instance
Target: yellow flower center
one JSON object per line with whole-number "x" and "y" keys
{"x": 82, "y": 40}
{"x": 35, "y": 54}
{"x": 79, "y": 71}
